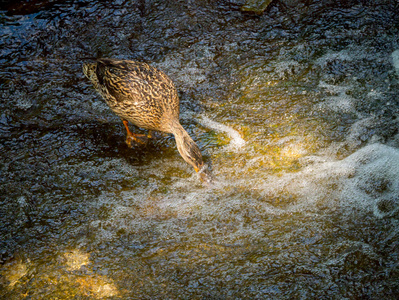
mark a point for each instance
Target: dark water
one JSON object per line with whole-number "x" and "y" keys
{"x": 296, "y": 110}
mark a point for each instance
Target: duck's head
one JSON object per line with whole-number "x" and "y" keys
{"x": 191, "y": 153}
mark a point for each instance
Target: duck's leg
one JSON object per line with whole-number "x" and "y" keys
{"x": 132, "y": 136}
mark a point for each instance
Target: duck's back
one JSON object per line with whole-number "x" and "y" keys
{"x": 137, "y": 92}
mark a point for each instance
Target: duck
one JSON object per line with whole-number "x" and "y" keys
{"x": 146, "y": 97}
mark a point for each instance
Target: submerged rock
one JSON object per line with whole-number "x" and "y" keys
{"x": 256, "y": 6}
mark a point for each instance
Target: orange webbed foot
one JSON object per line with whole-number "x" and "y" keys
{"x": 136, "y": 138}
{"x": 132, "y": 138}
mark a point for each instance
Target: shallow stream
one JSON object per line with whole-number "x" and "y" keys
{"x": 295, "y": 110}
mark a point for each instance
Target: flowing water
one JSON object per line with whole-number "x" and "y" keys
{"x": 295, "y": 110}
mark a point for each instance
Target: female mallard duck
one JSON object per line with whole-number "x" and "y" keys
{"x": 146, "y": 97}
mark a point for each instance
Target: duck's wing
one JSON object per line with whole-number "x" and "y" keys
{"x": 120, "y": 80}
{"x": 138, "y": 83}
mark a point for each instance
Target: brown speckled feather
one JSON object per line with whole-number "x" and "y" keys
{"x": 137, "y": 92}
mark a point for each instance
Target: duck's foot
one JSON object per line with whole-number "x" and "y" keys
{"x": 135, "y": 137}
{"x": 132, "y": 139}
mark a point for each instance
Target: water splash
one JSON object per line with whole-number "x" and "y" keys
{"x": 236, "y": 142}
{"x": 395, "y": 58}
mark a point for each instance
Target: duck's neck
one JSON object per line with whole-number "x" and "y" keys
{"x": 188, "y": 149}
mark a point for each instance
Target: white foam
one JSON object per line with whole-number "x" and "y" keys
{"x": 358, "y": 130}
{"x": 376, "y": 184}
{"x": 367, "y": 180}
{"x": 342, "y": 55}
{"x": 236, "y": 141}
{"x": 288, "y": 67}
{"x": 340, "y": 102}
{"x": 395, "y": 58}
